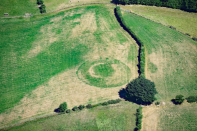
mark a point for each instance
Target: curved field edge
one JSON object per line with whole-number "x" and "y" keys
{"x": 40, "y": 61}
{"x": 184, "y": 22}
{"x": 171, "y": 57}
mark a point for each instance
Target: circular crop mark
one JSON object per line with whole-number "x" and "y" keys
{"x": 104, "y": 73}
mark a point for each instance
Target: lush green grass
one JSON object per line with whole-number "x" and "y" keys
{"x": 104, "y": 70}
{"x": 118, "y": 117}
{"x": 171, "y": 57}
{"x": 34, "y": 50}
{"x": 18, "y": 7}
{"x": 183, "y": 21}
{"x": 178, "y": 118}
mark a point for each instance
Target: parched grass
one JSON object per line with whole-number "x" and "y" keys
{"x": 171, "y": 57}
{"x": 41, "y": 55}
{"x": 170, "y": 117}
{"x": 118, "y": 117}
{"x": 18, "y": 7}
{"x": 178, "y": 118}
{"x": 183, "y": 21}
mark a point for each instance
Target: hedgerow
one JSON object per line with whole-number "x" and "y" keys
{"x": 139, "y": 119}
{"x": 140, "y": 43}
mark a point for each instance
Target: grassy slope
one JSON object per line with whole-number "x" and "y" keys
{"x": 171, "y": 57}
{"x": 114, "y": 117}
{"x": 183, "y": 21}
{"x": 18, "y": 7}
{"x": 32, "y": 52}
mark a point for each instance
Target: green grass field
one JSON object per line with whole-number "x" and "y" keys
{"x": 18, "y": 7}
{"x": 118, "y": 117}
{"x": 183, "y": 21}
{"x": 170, "y": 56}
{"x": 40, "y": 57}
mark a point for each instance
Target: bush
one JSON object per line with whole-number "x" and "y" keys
{"x": 187, "y": 34}
{"x": 75, "y": 108}
{"x": 39, "y": 2}
{"x": 191, "y": 99}
{"x": 194, "y": 38}
{"x": 172, "y": 27}
{"x": 141, "y": 91}
{"x": 68, "y": 111}
{"x": 178, "y": 100}
{"x": 42, "y": 8}
{"x": 105, "y": 104}
{"x": 88, "y": 106}
{"x": 157, "y": 103}
{"x": 62, "y": 107}
{"x": 81, "y": 107}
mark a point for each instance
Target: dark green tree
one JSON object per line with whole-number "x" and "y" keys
{"x": 62, "y": 107}
{"x": 141, "y": 91}
{"x": 81, "y": 107}
{"x": 39, "y": 2}
{"x": 178, "y": 100}
{"x": 42, "y": 8}
{"x": 191, "y": 99}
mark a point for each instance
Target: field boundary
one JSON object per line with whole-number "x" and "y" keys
{"x": 141, "y": 52}
{"x": 62, "y": 9}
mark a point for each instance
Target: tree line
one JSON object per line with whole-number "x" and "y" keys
{"x": 187, "y": 5}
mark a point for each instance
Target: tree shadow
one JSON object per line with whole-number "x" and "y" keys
{"x": 122, "y": 93}
{"x": 56, "y": 110}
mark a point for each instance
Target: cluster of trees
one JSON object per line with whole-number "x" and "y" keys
{"x": 42, "y": 7}
{"x": 139, "y": 119}
{"x": 187, "y": 5}
{"x": 180, "y": 98}
{"x": 141, "y": 56}
{"x": 141, "y": 91}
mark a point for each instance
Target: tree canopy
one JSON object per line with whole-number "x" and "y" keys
{"x": 141, "y": 91}
{"x": 62, "y": 107}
